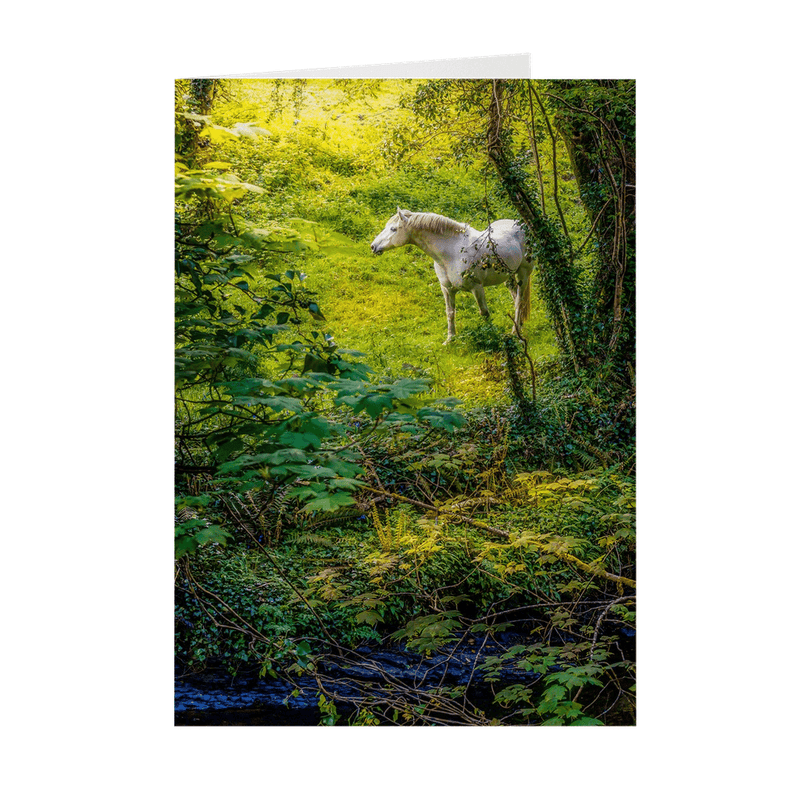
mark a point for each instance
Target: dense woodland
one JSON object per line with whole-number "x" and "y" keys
{"x": 345, "y": 483}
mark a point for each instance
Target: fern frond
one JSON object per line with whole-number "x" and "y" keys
{"x": 260, "y": 513}
{"x": 515, "y": 494}
{"x": 310, "y": 538}
{"x": 333, "y": 518}
{"x": 588, "y": 451}
{"x": 391, "y": 531}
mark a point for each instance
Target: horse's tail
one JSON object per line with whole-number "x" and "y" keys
{"x": 525, "y": 299}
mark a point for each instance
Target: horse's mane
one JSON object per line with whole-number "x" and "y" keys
{"x": 435, "y": 223}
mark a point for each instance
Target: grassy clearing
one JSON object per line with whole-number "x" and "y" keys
{"x": 328, "y": 159}
{"x": 391, "y": 308}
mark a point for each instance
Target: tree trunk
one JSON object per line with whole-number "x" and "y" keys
{"x": 546, "y": 243}
{"x": 597, "y": 122}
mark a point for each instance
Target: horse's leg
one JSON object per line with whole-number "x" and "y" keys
{"x": 480, "y": 297}
{"x": 513, "y": 288}
{"x": 519, "y": 286}
{"x": 450, "y": 309}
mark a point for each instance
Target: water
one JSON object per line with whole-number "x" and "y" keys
{"x": 215, "y": 699}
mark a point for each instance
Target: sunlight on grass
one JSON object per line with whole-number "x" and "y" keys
{"x": 325, "y": 159}
{"x": 391, "y": 309}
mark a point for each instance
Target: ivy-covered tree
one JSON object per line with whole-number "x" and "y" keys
{"x": 558, "y": 279}
{"x": 525, "y": 124}
{"x": 596, "y": 120}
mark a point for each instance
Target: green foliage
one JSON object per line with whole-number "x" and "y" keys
{"x": 597, "y": 121}
{"x": 233, "y": 315}
{"x": 194, "y": 532}
{"x": 328, "y": 712}
{"x": 558, "y": 679}
{"x": 428, "y": 633}
{"x": 307, "y": 373}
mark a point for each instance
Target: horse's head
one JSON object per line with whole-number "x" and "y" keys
{"x": 395, "y": 234}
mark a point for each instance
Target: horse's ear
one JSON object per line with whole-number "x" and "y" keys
{"x": 402, "y": 216}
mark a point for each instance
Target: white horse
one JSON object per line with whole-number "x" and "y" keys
{"x": 465, "y": 259}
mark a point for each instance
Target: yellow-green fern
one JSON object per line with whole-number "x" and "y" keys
{"x": 390, "y": 531}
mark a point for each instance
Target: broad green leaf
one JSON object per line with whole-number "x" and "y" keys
{"x": 369, "y": 617}
{"x": 275, "y": 402}
{"x": 213, "y": 533}
{"x": 329, "y": 502}
{"x": 184, "y": 545}
{"x": 302, "y": 441}
{"x": 313, "y": 309}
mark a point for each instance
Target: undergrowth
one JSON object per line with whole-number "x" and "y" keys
{"x": 520, "y": 522}
{"x": 388, "y": 573}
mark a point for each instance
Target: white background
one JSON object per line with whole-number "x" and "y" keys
{"x": 87, "y": 96}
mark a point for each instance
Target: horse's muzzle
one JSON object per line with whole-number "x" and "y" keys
{"x": 375, "y": 249}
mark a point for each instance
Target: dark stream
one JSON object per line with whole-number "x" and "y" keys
{"x": 209, "y": 699}
{"x": 212, "y": 698}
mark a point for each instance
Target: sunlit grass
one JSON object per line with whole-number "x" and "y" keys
{"x": 391, "y": 308}
{"x": 329, "y": 160}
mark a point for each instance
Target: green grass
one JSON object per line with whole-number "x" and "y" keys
{"x": 326, "y": 162}
{"x": 391, "y": 308}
